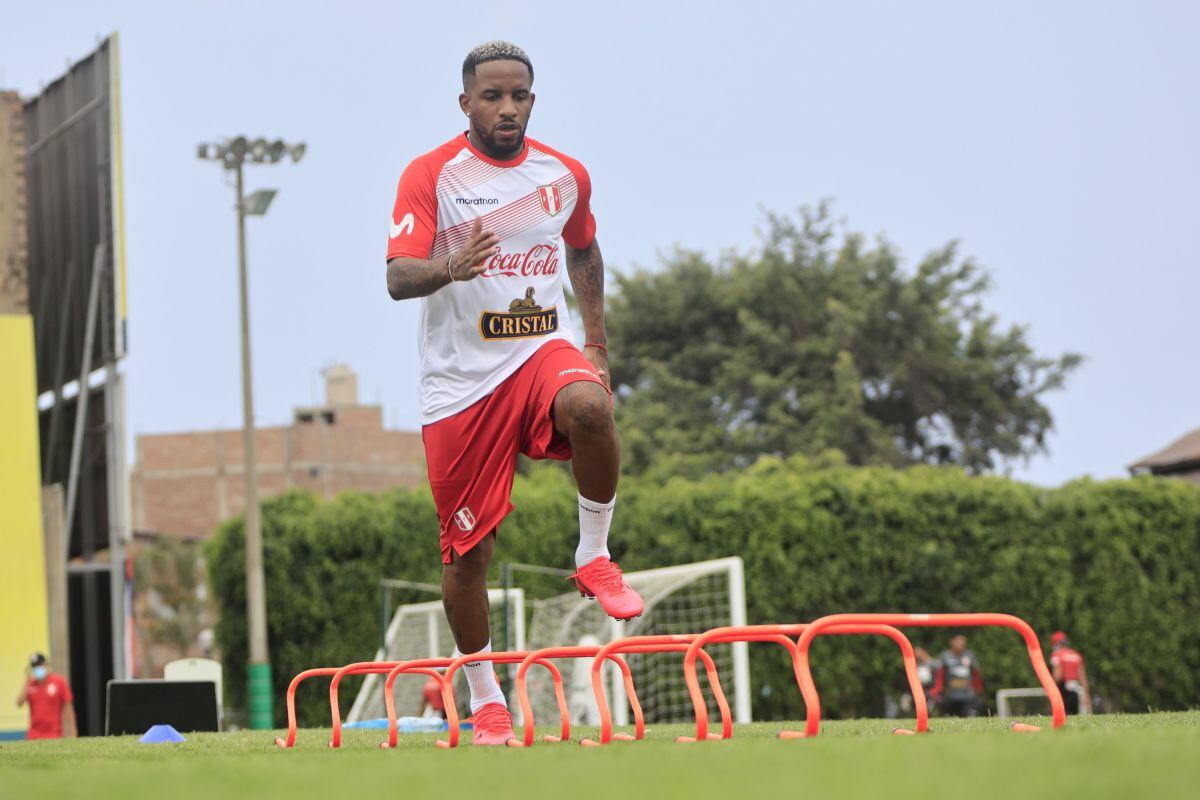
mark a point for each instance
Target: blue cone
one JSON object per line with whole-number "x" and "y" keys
{"x": 159, "y": 734}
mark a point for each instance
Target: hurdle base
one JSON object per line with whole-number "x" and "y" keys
{"x": 1021, "y": 727}
{"x": 791, "y": 735}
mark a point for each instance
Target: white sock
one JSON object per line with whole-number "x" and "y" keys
{"x": 481, "y": 677}
{"x": 594, "y": 519}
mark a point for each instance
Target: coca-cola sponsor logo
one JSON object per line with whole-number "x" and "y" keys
{"x": 541, "y": 259}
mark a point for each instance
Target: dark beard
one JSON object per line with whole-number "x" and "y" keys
{"x": 488, "y": 145}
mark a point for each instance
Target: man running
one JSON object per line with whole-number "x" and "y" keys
{"x": 480, "y": 228}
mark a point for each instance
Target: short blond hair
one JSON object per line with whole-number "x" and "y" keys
{"x": 495, "y": 50}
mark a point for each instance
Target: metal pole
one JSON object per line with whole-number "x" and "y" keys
{"x": 385, "y": 593}
{"x": 81, "y": 402}
{"x": 259, "y": 671}
{"x": 506, "y": 584}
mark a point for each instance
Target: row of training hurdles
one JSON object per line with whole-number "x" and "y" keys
{"x": 797, "y": 639}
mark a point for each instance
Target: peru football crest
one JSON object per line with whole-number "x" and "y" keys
{"x": 551, "y": 199}
{"x": 464, "y": 519}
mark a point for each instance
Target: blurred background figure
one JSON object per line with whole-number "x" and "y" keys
{"x": 926, "y": 671}
{"x": 51, "y": 704}
{"x": 1069, "y": 673}
{"x": 432, "y": 704}
{"x": 958, "y": 683}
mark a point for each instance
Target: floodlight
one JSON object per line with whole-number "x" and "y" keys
{"x": 276, "y": 150}
{"x": 297, "y": 151}
{"x": 238, "y": 146}
{"x": 258, "y": 149}
{"x": 257, "y": 203}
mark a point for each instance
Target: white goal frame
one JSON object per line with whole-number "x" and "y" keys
{"x": 734, "y": 568}
{"x": 1004, "y": 710}
{"x": 436, "y": 621}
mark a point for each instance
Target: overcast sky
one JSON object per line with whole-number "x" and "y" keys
{"x": 1057, "y": 141}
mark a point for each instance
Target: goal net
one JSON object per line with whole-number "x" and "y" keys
{"x": 690, "y": 598}
{"x": 420, "y": 630}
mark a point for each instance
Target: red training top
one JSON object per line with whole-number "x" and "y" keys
{"x": 46, "y": 700}
{"x": 433, "y": 695}
{"x": 1069, "y": 661}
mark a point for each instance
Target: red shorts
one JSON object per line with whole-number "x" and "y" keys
{"x": 472, "y": 455}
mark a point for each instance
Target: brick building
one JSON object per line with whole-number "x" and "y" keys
{"x": 14, "y": 281}
{"x": 187, "y": 483}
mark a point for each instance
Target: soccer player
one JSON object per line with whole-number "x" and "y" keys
{"x": 481, "y": 229}
{"x": 50, "y": 701}
{"x": 432, "y": 704}
{"x": 958, "y": 683}
{"x": 1069, "y": 673}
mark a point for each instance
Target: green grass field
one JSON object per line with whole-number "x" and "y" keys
{"x": 1125, "y": 756}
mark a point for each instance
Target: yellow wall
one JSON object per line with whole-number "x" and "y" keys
{"x": 23, "y": 617}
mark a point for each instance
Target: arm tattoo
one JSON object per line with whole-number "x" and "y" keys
{"x": 586, "y": 268}
{"x": 415, "y": 277}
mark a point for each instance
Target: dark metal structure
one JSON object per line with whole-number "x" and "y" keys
{"x": 77, "y": 299}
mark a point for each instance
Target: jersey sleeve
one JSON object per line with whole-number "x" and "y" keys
{"x": 67, "y": 696}
{"x": 414, "y": 216}
{"x": 580, "y": 230}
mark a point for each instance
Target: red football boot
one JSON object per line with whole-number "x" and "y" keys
{"x": 493, "y": 726}
{"x": 602, "y": 579}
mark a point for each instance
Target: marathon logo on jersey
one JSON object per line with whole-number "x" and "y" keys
{"x": 541, "y": 259}
{"x": 464, "y": 519}
{"x": 524, "y": 319}
{"x": 476, "y": 201}
{"x": 551, "y": 199}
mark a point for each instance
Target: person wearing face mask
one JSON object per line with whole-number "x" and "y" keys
{"x": 51, "y": 704}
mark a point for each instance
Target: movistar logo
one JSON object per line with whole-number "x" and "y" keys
{"x": 405, "y": 225}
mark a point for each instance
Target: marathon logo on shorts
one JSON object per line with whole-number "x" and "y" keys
{"x": 464, "y": 519}
{"x": 524, "y": 319}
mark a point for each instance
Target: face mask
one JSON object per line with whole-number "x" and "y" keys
{"x": 39, "y": 673}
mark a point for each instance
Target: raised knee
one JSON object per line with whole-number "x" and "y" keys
{"x": 590, "y": 412}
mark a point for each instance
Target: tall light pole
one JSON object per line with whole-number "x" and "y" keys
{"x": 233, "y": 154}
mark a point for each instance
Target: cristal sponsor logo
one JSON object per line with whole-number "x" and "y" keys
{"x": 476, "y": 201}
{"x": 541, "y": 259}
{"x": 524, "y": 319}
{"x": 464, "y": 519}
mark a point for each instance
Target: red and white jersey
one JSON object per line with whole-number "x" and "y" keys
{"x": 1070, "y": 662}
{"x": 474, "y": 334}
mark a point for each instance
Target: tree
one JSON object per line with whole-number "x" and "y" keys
{"x": 171, "y": 599}
{"x": 820, "y": 341}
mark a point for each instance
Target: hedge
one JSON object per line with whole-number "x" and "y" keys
{"x": 1115, "y": 563}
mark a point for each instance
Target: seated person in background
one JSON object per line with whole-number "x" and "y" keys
{"x": 431, "y": 700}
{"x": 958, "y": 684}
{"x": 1069, "y": 673}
